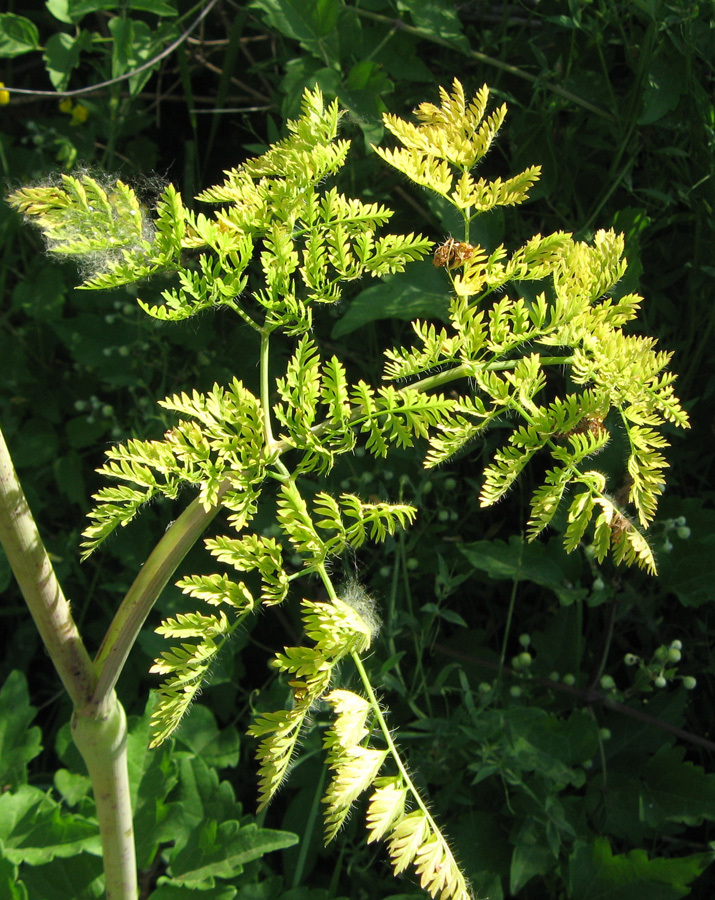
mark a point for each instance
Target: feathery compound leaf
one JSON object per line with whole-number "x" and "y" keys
{"x": 151, "y": 468}
{"x": 386, "y": 807}
{"x": 351, "y": 714}
{"x": 382, "y": 519}
{"x": 336, "y": 630}
{"x": 437, "y": 348}
{"x": 254, "y": 552}
{"x": 414, "y": 841}
{"x": 354, "y": 770}
{"x": 501, "y": 474}
{"x": 297, "y": 524}
{"x": 103, "y": 225}
{"x": 224, "y": 445}
{"x": 187, "y": 666}
{"x": 484, "y": 195}
{"x": 279, "y": 732}
{"x": 217, "y": 589}
{"x": 300, "y": 391}
{"x": 454, "y": 132}
{"x": 392, "y": 416}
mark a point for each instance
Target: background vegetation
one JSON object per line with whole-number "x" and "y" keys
{"x": 543, "y": 699}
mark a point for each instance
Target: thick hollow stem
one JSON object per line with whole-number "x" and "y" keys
{"x": 102, "y": 740}
{"x": 42, "y": 592}
{"x": 100, "y": 732}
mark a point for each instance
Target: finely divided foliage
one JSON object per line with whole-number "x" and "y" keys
{"x": 238, "y": 450}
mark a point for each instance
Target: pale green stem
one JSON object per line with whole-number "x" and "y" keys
{"x": 149, "y": 583}
{"x": 167, "y": 555}
{"x": 42, "y": 592}
{"x": 327, "y": 581}
{"x": 101, "y": 738}
{"x": 163, "y": 561}
{"x": 266, "y": 392}
{"x": 464, "y": 370}
{"x": 392, "y": 748}
{"x": 239, "y": 310}
{"x": 100, "y": 732}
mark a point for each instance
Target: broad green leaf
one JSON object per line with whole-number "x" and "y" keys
{"x": 544, "y": 564}
{"x": 200, "y": 796}
{"x": 182, "y": 892}
{"x": 78, "y": 878}
{"x": 157, "y": 772}
{"x": 60, "y": 10}
{"x": 10, "y": 887}
{"x": 19, "y": 743}
{"x": 201, "y": 735}
{"x": 221, "y": 850}
{"x": 437, "y": 18}
{"x": 528, "y": 860}
{"x": 307, "y": 22}
{"x": 134, "y": 44}
{"x": 566, "y": 742}
{"x": 35, "y": 830}
{"x": 420, "y": 292}
{"x": 69, "y": 471}
{"x": 533, "y": 740}
{"x": 72, "y": 786}
{"x": 676, "y": 790}
{"x": 61, "y": 56}
{"x": 78, "y": 9}
{"x": 18, "y": 35}
{"x": 596, "y": 874}
{"x": 665, "y": 85}
{"x": 449, "y": 615}
{"x": 158, "y": 7}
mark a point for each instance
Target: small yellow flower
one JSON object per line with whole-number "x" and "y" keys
{"x": 79, "y": 114}
{"x": 66, "y": 105}
{"x": 4, "y": 95}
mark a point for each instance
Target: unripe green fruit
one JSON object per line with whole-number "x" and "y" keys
{"x": 607, "y": 683}
{"x": 660, "y": 682}
{"x": 689, "y": 683}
